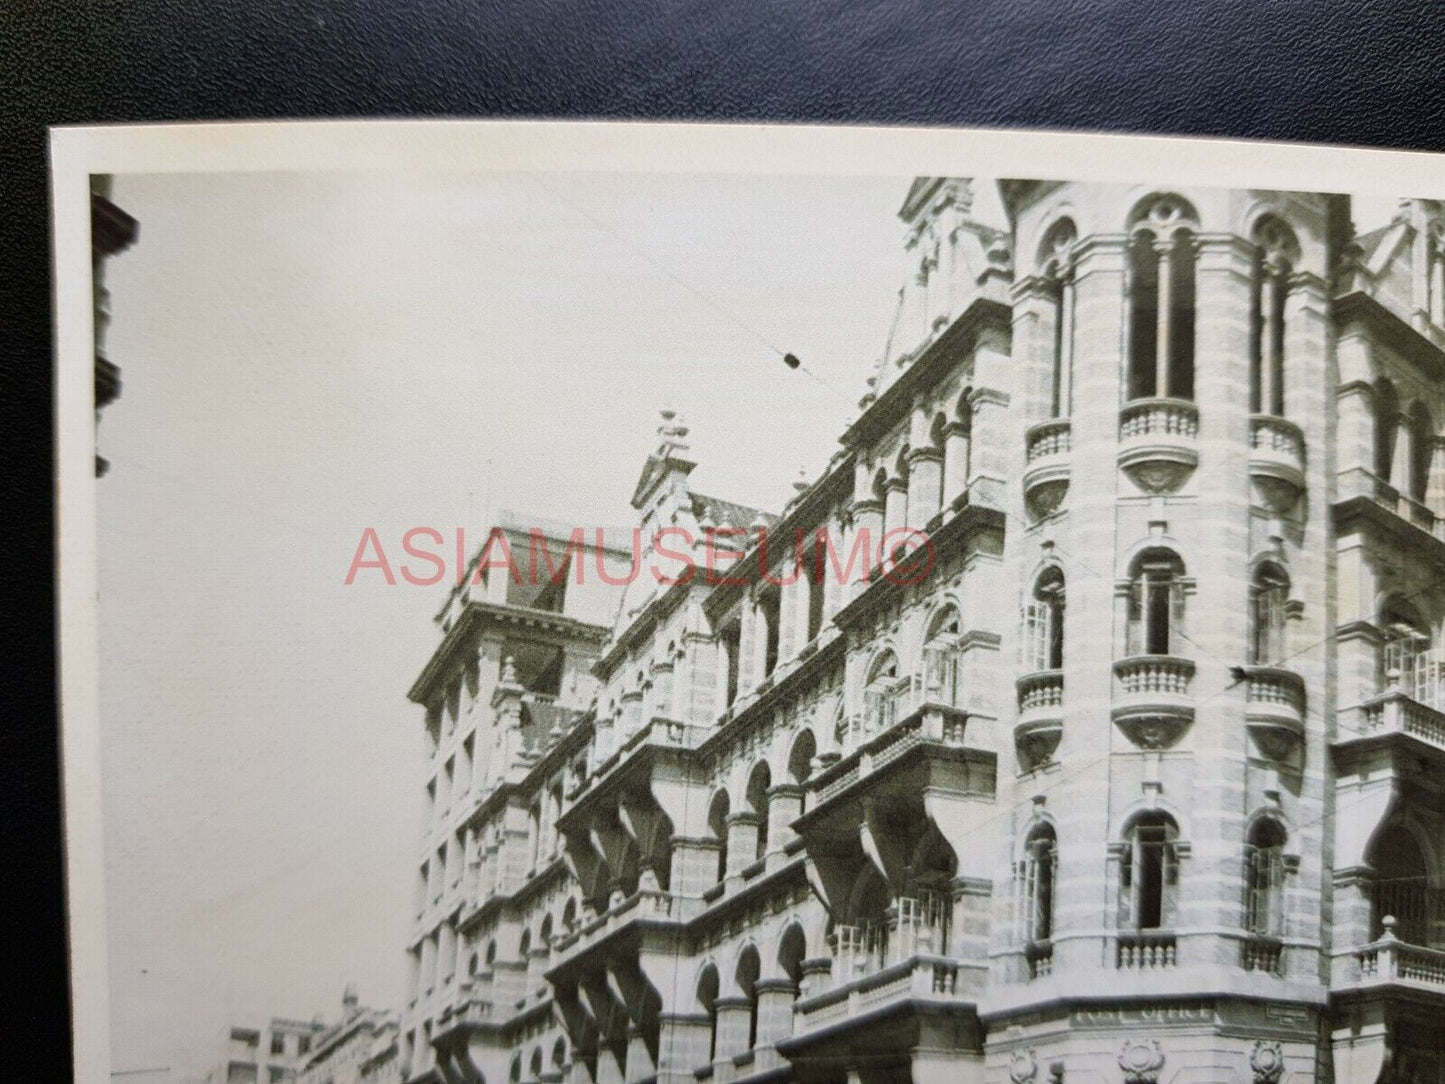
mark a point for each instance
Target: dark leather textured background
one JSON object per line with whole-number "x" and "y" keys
{"x": 1364, "y": 73}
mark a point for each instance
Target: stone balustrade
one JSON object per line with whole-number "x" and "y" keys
{"x": 1048, "y": 439}
{"x": 1156, "y": 417}
{"x": 1394, "y": 713}
{"x": 1146, "y": 675}
{"x": 1390, "y": 961}
{"x": 1145, "y": 950}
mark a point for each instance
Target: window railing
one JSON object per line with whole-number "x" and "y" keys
{"x": 1041, "y": 691}
{"x": 1040, "y": 957}
{"x": 1145, "y": 950}
{"x": 1259, "y": 952}
{"x": 1159, "y": 417}
{"x": 1154, "y": 674}
{"x": 1048, "y": 438}
{"x": 1273, "y": 434}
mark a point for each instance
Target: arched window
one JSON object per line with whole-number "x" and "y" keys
{"x": 707, "y": 988}
{"x": 1149, "y": 874}
{"x": 1401, "y": 890}
{"x": 1387, "y": 430}
{"x": 800, "y": 762}
{"x": 1036, "y": 872}
{"x": 792, "y": 950}
{"x": 514, "y": 1074}
{"x": 1156, "y": 604}
{"x": 569, "y": 915}
{"x": 1056, "y": 264}
{"x": 717, "y": 822}
{"x": 1264, "y": 879}
{"x": 941, "y": 682}
{"x": 491, "y": 954}
{"x": 536, "y": 1062}
{"x": 473, "y": 964}
{"x": 559, "y": 1054}
{"x": 880, "y": 701}
{"x": 1268, "y": 606}
{"x": 757, "y": 798}
{"x": 1422, "y": 450}
{"x": 1043, "y": 640}
{"x": 747, "y": 980}
{"x": 1276, "y": 252}
{"x": 1161, "y": 300}
{"x": 544, "y": 934}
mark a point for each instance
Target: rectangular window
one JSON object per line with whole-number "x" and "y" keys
{"x": 1264, "y": 879}
{"x": 278, "y": 1043}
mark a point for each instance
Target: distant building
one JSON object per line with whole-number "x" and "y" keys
{"x": 266, "y": 1053}
{"x": 111, "y": 231}
{"x": 354, "y": 1048}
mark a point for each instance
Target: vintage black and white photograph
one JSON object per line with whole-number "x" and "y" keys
{"x": 847, "y": 607}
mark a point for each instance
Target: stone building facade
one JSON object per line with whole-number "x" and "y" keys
{"x": 1131, "y": 773}
{"x": 265, "y": 1051}
{"x": 359, "y": 1048}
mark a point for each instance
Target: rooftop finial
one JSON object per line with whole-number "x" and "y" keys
{"x": 509, "y": 671}
{"x": 673, "y": 430}
{"x": 801, "y": 484}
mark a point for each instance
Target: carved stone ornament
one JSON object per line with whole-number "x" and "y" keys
{"x": 1266, "y": 1061}
{"x": 1141, "y": 1060}
{"x": 1154, "y": 732}
{"x": 1161, "y": 476}
{"x": 1022, "y": 1067}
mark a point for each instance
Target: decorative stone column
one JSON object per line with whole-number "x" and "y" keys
{"x": 925, "y": 485}
{"x": 682, "y": 1046}
{"x": 955, "y": 463}
{"x": 696, "y": 689}
{"x": 989, "y": 436}
{"x": 734, "y": 1016}
{"x": 694, "y": 865}
{"x": 775, "y": 1010}
{"x": 895, "y": 510}
{"x": 742, "y": 841}
{"x": 785, "y": 805}
{"x": 639, "y": 1059}
{"x": 968, "y": 938}
{"x": 866, "y": 537}
{"x": 792, "y": 625}
{"x": 817, "y": 975}
{"x": 752, "y": 648}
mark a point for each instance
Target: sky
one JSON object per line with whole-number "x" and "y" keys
{"x": 306, "y": 356}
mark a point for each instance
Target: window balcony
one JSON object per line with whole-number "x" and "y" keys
{"x": 1276, "y": 461}
{"x": 926, "y": 981}
{"x": 1363, "y": 494}
{"x": 1395, "y": 715}
{"x": 1258, "y": 952}
{"x": 1145, "y": 950}
{"x": 1391, "y": 963}
{"x": 645, "y": 907}
{"x": 1152, "y": 702}
{"x": 1159, "y": 443}
{"x": 1046, "y": 475}
{"x": 1040, "y": 723}
{"x": 1274, "y": 710}
{"x": 1040, "y": 958}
